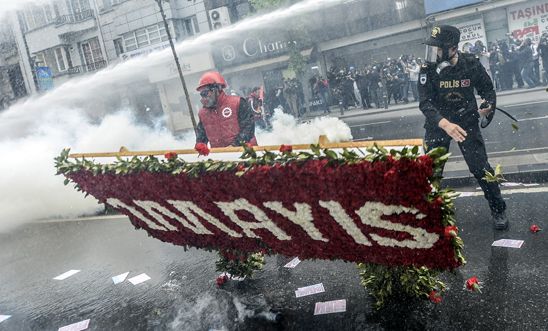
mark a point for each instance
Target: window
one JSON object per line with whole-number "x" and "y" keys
{"x": 61, "y": 58}
{"x": 40, "y": 60}
{"x": 190, "y": 26}
{"x": 118, "y": 46}
{"x": 79, "y": 6}
{"x": 143, "y": 37}
{"x": 93, "y": 56}
{"x": 38, "y": 16}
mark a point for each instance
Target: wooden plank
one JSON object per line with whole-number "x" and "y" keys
{"x": 349, "y": 144}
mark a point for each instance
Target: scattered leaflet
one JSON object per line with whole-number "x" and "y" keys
{"x": 293, "y": 263}
{"x": 120, "y": 278}
{"x": 309, "y": 290}
{"x": 508, "y": 243}
{"x": 4, "y": 317}
{"x": 76, "y": 326}
{"x": 329, "y": 307}
{"x": 139, "y": 279}
{"x": 66, "y": 274}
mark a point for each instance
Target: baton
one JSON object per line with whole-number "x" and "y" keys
{"x": 486, "y": 120}
{"x": 507, "y": 114}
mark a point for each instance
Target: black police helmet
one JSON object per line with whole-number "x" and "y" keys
{"x": 444, "y": 36}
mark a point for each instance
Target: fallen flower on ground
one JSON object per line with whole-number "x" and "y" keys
{"x": 473, "y": 285}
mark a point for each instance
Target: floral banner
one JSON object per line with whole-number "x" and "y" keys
{"x": 380, "y": 210}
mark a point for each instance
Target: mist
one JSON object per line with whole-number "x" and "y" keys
{"x": 74, "y": 115}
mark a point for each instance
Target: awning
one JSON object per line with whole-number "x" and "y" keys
{"x": 263, "y": 63}
{"x": 370, "y": 35}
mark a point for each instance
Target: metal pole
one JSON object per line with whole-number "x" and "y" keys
{"x": 189, "y": 103}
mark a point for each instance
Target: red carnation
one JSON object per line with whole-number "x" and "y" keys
{"x": 535, "y": 228}
{"x": 451, "y": 231}
{"x": 202, "y": 149}
{"x": 170, "y": 155}
{"x": 434, "y": 296}
{"x": 221, "y": 280}
{"x": 472, "y": 284}
{"x": 286, "y": 149}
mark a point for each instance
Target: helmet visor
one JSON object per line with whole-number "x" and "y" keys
{"x": 432, "y": 53}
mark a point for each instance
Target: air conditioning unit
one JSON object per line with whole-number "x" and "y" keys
{"x": 219, "y": 17}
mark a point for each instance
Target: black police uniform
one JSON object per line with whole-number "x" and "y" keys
{"x": 449, "y": 94}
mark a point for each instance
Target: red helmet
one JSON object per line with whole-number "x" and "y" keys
{"x": 210, "y": 78}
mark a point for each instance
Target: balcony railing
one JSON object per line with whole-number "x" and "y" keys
{"x": 75, "y": 18}
{"x": 86, "y": 68}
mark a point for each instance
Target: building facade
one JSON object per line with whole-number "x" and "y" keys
{"x": 61, "y": 39}
{"x": 12, "y": 85}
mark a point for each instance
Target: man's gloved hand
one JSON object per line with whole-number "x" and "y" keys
{"x": 487, "y": 112}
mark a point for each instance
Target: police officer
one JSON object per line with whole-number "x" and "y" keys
{"x": 225, "y": 120}
{"x": 446, "y": 91}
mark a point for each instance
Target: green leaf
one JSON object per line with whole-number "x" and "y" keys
{"x": 330, "y": 154}
{"x": 515, "y": 127}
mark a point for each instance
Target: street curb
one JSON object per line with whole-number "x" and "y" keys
{"x": 539, "y": 176}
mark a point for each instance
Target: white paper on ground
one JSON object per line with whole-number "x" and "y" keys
{"x": 66, "y": 274}
{"x": 139, "y": 279}
{"x": 76, "y": 326}
{"x": 309, "y": 290}
{"x": 293, "y": 263}
{"x": 4, "y": 317}
{"x": 120, "y": 278}
{"x": 511, "y": 243}
{"x": 328, "y": 307}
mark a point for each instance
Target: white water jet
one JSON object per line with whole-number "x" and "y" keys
{"x": 34, "y": 131}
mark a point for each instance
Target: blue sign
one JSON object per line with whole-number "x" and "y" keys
{"x": 436, "y": 6}
{"x": 44, "y": 78}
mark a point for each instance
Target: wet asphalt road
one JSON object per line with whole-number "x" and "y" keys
{"x": 182, "y": 294}
{"x": 499, "y": 136}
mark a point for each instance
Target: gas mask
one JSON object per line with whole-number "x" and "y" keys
{"x": 439, "y": 55}
{"x": 209, "y": 95}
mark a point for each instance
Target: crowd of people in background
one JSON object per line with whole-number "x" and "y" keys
{"x": 511, "y": 63}
{"x": 516, "y": 62}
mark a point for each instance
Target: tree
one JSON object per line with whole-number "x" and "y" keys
{"x": 297, "y": 37}
{"x": 269, "y": 4}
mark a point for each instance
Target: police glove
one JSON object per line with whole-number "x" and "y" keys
{"x": 487, "y": 112}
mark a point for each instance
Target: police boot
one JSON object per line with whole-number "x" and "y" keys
{"x": 500, "y": 221}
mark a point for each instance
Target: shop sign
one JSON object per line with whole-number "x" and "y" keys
{"x": 250, "y": 49}
{"x": 470, "y": 33}
{"x": 528, "y": 20}
{"x": 44, "y": 77}
{"x": 144, "y": 51}
{"x": 190, "y": 64}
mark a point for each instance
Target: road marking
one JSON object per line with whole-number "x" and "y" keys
{"x": 466, "y": 194}
{"x": 531, "y": 118}
{"x": 92, "y": 218}
{"x": 509, "y": 191}
{"x": 374, "y": 123}
{"x": 514, "y": 105}
{"x": 508, "y": 151}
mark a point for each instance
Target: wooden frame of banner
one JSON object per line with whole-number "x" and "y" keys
{"x": 323, "y": 142}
